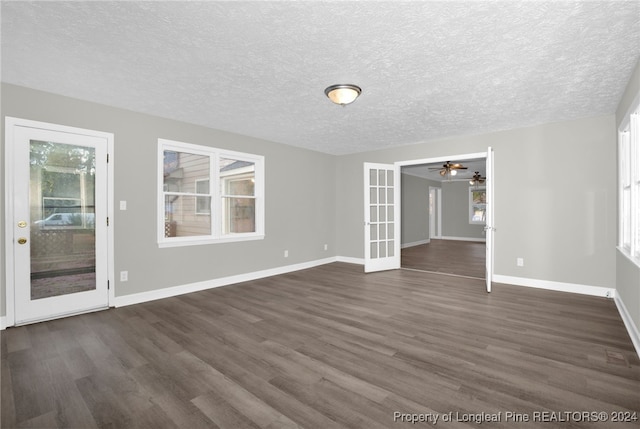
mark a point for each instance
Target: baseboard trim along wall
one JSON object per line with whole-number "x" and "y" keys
{"x": 3, "y": 323}
{"x": 415, "y": 243}
{"x": 628, "y": 323}
{"x": 350, "y": 260}
{"x": 448, "y": 237}
{"x": 557, "y": 286}
{"x": 137, "y": 298}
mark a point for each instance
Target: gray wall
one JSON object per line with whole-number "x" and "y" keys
{"x": 560, "y": 221}
{"x": 455, "y": 212}
{"x": 628, "y": 273}
{"x": 300, "y": 200}
{"x": 415, "y": 208}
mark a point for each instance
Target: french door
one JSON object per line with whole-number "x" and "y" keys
{"x": 489, "y": 222}
{"x": 58, "y": 260}
{"x": 382, "y": 228}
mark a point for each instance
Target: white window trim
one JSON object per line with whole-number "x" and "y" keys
{"x": 475, "y": 222}
{"x": 630, "y": 131}
{"x": 216, "y": 235}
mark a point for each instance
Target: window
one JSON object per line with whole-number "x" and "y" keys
{"x": 477, "y": 206}
{"x": 208, "y": 195}
{"x": 629, "y": 184}
{"x": 203, "y": 204}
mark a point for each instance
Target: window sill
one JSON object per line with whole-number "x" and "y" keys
{"x": 624, "y": 252}
{"x": 196, "y": 241}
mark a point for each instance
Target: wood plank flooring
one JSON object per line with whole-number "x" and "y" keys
{"x": 462, "y": 258}
{"x": 328, "y": 347}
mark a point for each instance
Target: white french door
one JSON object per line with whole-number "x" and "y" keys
{"x": 489, "y": 229}
{"x": 56, "y": 221}
{"x": 381, "y": 213}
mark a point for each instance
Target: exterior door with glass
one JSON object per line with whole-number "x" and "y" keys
{"x": 59, "y": 223}
{"x": 381, "y": 209}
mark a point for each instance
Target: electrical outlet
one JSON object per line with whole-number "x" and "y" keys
{"x": 124, "y": 276}
{"x": 326, "y": 247}
{"x": 520, "y": 262}
{"x": 286, "y": 253}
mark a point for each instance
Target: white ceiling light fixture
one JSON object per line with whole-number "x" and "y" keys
{"x": 343, "y": 94}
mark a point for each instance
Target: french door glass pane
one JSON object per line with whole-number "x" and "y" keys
{"x": 381, "y": 199}
{"x": 62, "y": 213}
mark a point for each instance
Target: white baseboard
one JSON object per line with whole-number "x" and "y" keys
{"x": 448, "y": 237}
{"x": 415, "y": 243}
{"x": 350, "y": 260}
{"x": 557, "y": 286}
{"x": 3, "y": 323}
{"x": 632, "y": 329}
{"x": 137, "y": 298}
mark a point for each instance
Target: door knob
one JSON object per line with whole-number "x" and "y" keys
{"x": 22, "y": 224}
{"x": 22, "y": 240}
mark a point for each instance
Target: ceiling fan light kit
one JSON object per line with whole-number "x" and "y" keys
{"x": 477, "y": 179}
{"x": 449, "y": 169}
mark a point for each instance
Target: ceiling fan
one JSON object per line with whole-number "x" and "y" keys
{"x": 449, "y": 168}
{"x": 477, "y": 179}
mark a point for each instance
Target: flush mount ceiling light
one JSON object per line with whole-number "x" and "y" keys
{"x": 343, "y": 94}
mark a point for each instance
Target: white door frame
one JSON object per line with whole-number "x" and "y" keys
{"x": 461, "y": 157}
{"x": 10, "y": 125}
{"x": 490, "y": 219}
{"x": 435, "y": 218}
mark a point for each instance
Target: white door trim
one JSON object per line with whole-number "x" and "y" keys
{"x": 10, "y": 125}
{"x": 489, "y": 214}
{"x": 435, "y": 222}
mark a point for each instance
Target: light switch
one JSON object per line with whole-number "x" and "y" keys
{"x": 123, "y": 205}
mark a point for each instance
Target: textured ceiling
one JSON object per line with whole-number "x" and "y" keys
{"x": 427, "y": 69}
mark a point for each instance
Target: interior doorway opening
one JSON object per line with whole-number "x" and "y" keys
{"x": 444, "y": 224}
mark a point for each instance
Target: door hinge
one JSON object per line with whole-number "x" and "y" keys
{"x": 108, "y": 285}
{"x": 107, "y": 158}
{"x": 107, "y": 221}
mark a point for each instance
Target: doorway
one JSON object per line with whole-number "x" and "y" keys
{"x": 460, "y": 216}
{"x": 58, "y": 188}
{"x": 435, "y": 212}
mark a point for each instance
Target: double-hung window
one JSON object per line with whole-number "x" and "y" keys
{"x": 629, "y": 184}
{"x": 208, "y": 195}
{"x": 477, "y": 206}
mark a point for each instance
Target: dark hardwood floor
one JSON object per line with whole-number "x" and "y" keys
{"x": 462, "y": 258}
{"x": 327, "y": 347}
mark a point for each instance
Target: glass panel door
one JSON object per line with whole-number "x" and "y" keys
{"x": 381, "y": 241}
{"x": 60, "y": 215}
{"x": 63, "y": 223}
